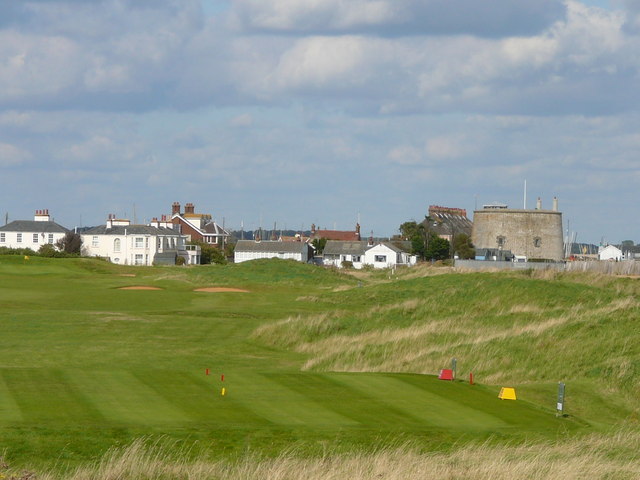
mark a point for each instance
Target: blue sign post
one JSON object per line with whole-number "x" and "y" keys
{"x": 560, "y": 403}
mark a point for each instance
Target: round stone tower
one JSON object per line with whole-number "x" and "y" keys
{"x": 535, "y": 234}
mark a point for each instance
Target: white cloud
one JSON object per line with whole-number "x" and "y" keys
{"x": 11, "y": 156}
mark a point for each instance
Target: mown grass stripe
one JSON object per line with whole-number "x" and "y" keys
{"x": 431, "y": 404}
{"x": 122, "y": 398}
{"x": 365, "y": 409}
{"x": 280, "y": 401}
{"x": 48, "y": 395}
{"x": 199, "y": 397}
{"x": 9, "y": 409}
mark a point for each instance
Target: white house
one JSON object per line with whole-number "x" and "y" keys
{"x": 127, "y": 244}
{"x": 610, "y": 252}
{"x": 387, "y": 255}
{"x": 253, "y": 250}
{"x": 32, "y": 233}
{"x": 336, "y": 251}
{"x": 361, "y": 253}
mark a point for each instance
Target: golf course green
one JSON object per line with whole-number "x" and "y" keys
{"x": 307, "y": 357}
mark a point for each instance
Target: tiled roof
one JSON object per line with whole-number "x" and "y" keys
{"x": 33, "y": 226}
{"x": 131, "y": 230}
{"x": 338, "y": 247}
{"x": 337, "y": 235}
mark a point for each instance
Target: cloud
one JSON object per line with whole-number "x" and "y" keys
{"x": 12, "y": 156}
{"x": 398, "y": 17}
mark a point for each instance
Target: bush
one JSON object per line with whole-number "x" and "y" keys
{"x": 347, "y": 264}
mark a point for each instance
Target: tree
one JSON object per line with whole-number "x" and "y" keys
{"x": 209, "y": 253}
{"x": 417, "y": 235}
{"x": 319, "y": 244}
{"x": 437, "y": 249}
{"x": 70, "y": 243}
{"x": 463, "y": 247}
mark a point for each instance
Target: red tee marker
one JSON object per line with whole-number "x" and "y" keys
{"x": 222, "y": 377}
{"x": 445, "y": 374}
{"x": 207, "y": 371}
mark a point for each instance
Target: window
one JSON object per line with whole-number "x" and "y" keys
{"x": 537, "y": 242}
{"x": 380, "y": 259}
{"x": 35, "y": 238}
{"x": 139, "y": 259}
{"x": 500, "y": 240}
{"x": 355, "y": 258}
{"x": 139, "y": 242}
{"x": 95, "y": 241}
{"x": 50, "y": 238}
{"x": 3, "y": 238}
{"x": 116, "y": 245}
{"x": 19, "y": 238}
{"x": 146, "y": 242}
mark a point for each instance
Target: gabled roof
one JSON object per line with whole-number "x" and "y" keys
{"x": 270, "y": 246}
{"x": 33, "y": 226}
{"x": 338, "y": 247}
{"x": 337, "y": 235}
{"x": 131, "y": 230}
{"x": 213, "y": 227}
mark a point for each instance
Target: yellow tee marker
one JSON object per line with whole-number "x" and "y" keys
{"x": 26, "y": 257}
{"x": 224, "y": 390}
{"x": 507, "y": 393}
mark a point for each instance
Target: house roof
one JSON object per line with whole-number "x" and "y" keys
{"x": 336, "y": 235}
{"x": 338, "y": 247}
{"x": 448, "y": 221}
{"x": 33, "y": 226}
{"x": 270, "y": 246}
{"x": 131, "y": 230}
{"x": 213, "y": 227}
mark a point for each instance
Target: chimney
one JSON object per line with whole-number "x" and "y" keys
{"x": 41, "y": 216}
{"x": 539, "y": 204}
{"x": 189, "y": 208}
{"x": 358, "y": 228}
{"x": 175, "y": 208}
{"x": 555, "y": 204}
{"x": 313, "y": 228}
{"x": 370, "y": 244}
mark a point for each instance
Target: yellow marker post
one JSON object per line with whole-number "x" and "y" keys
{"x": 507, "y": 393}
{"x": 224, "y": 390}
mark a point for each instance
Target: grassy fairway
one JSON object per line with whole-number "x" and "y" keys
{"x": 85, "y": 365}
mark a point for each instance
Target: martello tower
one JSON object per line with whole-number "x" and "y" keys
{"x": 536, "y": 234}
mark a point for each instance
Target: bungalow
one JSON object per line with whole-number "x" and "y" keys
{"x": 32, "y": 233}
{"x": 336, "y": 252}
{"x": 380, "y": 255}
{"x": 253, "y": 250}
{"x": 387, "y": 255}
{"x": 127, "y": 244}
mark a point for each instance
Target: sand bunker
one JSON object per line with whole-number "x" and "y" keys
{"x": 220, "y": 289}
{"x": 126, "y": 274}
{"x": 140, "y": 287}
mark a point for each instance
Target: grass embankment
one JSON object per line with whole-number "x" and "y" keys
{"x": 85, "y": 366}
{"x": 505, "y": 328}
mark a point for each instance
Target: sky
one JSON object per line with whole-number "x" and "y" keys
{"x": 321, "y": 111}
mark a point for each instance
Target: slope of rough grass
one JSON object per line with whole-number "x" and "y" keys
{"x": 593, "y": 457}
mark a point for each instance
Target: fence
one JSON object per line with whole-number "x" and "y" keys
{"x": 629, "y": 267}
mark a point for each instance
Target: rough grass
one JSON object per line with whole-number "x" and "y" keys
{"x": 502, "y": 327}
{"x": 593, "y": 457}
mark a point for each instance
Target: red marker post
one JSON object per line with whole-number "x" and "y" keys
{"x": 471, "y": 378}
{"x": 222, "y": 377}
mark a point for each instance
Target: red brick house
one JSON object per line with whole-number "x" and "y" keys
{"x": 198, "y": 226}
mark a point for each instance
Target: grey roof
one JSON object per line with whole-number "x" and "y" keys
{"x": 446, "y": 224}
{"x": 213, "y": 227}
{"x": 131, "y": 230}
{"x": 270, "y": 246}
{"x": 33, "y": 226}
{"x": 340, "y": 247}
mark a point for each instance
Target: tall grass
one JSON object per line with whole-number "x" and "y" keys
{"x": 513, "y": 327}
{"x": 593, "y": 457}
